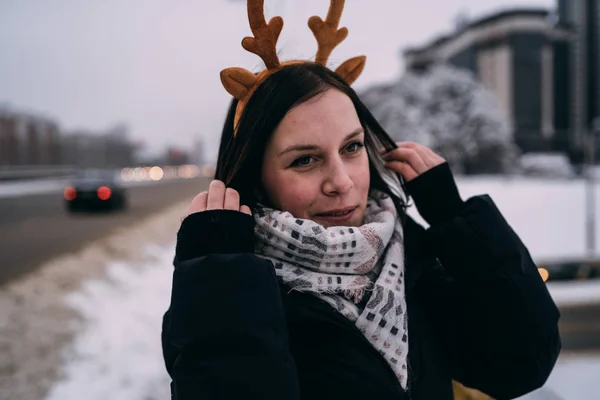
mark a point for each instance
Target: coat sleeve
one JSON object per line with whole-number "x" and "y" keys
{"x": 485, "y": 298}
{"x": 224, "y": 335}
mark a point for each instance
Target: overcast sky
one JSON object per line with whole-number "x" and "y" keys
{"x": 154, "y": 64}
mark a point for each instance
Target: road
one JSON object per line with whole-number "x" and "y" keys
{"x": 36, "y": 228}
{"x": 580, "y": 327}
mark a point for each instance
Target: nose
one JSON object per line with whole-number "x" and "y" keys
{"x": 337, "y": 180}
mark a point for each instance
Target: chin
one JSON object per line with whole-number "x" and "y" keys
{"x": 360, "y": 217}
{"x": 356, "y": 223}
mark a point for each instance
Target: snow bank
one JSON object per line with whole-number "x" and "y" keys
{"x": 39, "y": 322}
{"x": 26, "y": 188}
{"x": 575, "y": 293}
{"x": 575, "y": 377}
{"x": 547, "y": 214}
{"x": 118, "y": 354}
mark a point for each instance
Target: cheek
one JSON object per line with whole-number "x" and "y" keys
{"x": 293, "y": 193}
{"x": 362, "y": 177}
{"x": 297, "y": 199}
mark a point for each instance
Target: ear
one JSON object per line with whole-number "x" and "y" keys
{"x": 351, "y": 69}
{"x": 238, "y": 82}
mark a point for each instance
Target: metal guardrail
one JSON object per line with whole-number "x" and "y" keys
{"x": 573, "y": 268}
{"x": 35, "y": 172}
{"x": 134, "y": 173}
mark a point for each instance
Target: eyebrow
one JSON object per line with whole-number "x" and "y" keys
{"x": 313, "y": 147}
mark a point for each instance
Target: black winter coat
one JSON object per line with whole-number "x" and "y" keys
{"x": 478, "y": 312}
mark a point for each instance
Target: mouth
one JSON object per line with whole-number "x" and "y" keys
{"x": 340, "y": 215}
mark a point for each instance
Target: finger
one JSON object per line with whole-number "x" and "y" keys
{"x": 402, "y": 168}
{"x": 246, "y": 210}
{"x": 407, "y": 155}
{"x": 232, "y": 200}
{"x": 383, "y": 150}
{"x": 216, "y": 195}
{"x": 429, "y": 157}
{"x": 198, "y": 204}
{"x": 413, "y": 145}
{"x": 420, "y": 149}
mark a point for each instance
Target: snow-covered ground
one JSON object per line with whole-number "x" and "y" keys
{"x": 575, "y": 293}
{"x": 45, "y": 316}
{"x": 32, "y": 187}
{"x": 118, "y": 354}
{"x": 575, "y": 377}
{"x": 548, "y": 214}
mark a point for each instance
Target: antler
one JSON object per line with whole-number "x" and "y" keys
{"x": 326, "y": 32}
{"x": 238, "y": 81}
{"x": 264, "y": 42}
{"x": 241, "y": 83}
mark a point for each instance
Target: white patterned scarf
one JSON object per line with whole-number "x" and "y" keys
{"x": 341, "y": 264}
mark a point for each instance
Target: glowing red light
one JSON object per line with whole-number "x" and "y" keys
{"x": 104, "y": 193}
{"x": 70, "y": 193}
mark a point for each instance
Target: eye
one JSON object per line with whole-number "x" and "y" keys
{"x": 302, "y": 161}
{"x": 354, "y": 147}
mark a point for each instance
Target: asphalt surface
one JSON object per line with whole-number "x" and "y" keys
{"x": 36, "y": 228}
{"x": 579, "y": 327}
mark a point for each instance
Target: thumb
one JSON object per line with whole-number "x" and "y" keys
{"x": 246, "y": 210}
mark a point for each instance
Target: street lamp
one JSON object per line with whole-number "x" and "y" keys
{"x": 591, "y": 188}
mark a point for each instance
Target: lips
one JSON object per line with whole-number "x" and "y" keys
{"x": 338, "y": 213}
{"x": 337, "y": 217}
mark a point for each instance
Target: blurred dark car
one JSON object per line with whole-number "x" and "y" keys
{"x": 572, "y": 269}
{"x": 95, "y": 189}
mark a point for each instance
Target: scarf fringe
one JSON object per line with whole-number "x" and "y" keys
{"x": 355, "y": 295}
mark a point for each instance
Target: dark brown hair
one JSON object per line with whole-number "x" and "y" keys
{"x": 240, "y": 159}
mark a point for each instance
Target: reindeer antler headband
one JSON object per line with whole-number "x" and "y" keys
{"x": 241, "y": 83}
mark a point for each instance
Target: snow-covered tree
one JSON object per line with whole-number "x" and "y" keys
{"x": 448, "y": 110}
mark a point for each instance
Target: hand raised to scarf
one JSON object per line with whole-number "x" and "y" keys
{"x": 411, "y": 159}
{"x": 218, "y": 197}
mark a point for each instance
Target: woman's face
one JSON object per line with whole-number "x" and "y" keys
{"x": 316, "y": 165}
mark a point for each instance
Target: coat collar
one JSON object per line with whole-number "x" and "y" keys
{"x": 418, "y": 256}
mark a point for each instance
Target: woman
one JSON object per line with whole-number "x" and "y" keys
{"x": 299, "y": 275}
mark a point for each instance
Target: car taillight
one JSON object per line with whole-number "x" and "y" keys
{"x": 104, "y": 193}
{"x": 70, "y": 193}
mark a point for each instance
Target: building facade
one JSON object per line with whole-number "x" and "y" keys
{"x": 108, "y": 149}
{"x": 35, "y": 141}
{"x": 522, "y": 57}
{"x": 582, "y": 17}
{"x": 28, "y": 139}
